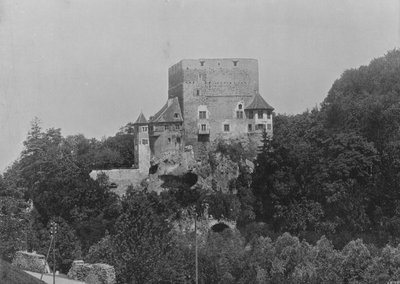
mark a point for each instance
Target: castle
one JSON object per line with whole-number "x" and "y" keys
{"x": 207, "y": 99}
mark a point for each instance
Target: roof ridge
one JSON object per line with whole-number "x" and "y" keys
{"x": 141, "y": 119}
{"x": 258, "y": 102}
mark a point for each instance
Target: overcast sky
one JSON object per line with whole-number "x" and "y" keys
{"x": 91, "y": 66}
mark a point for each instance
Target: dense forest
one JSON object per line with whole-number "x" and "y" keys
{"x": 322, "y": 204}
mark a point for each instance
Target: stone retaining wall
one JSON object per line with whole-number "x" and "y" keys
{"x": 31, "y": 261}
{"x": 98, "y": 273}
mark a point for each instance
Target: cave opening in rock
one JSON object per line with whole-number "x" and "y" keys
{"x": 187, "y": 180}
{"x": 219, "y": 227}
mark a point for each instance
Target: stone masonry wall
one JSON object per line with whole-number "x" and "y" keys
{"x": 122, "y": 178}
{"x": 98, "y": 273}
{"x": 167, "y": 141}
{"x": 218, "y": 85}
{"x": 30, "y": 261}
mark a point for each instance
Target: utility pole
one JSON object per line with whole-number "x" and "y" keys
{"x": 54, "y": 232}
{"x": 195, "y": 245}
{"x": 47, "y": 256}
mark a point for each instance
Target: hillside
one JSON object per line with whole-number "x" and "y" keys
{"x": 12, "y": 275}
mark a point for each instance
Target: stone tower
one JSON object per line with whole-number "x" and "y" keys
{"x": 219, "y": 98}
{"x": 142, "y": 146}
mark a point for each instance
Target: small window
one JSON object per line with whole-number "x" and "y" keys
{"x": 235, "y": 62}
{"x": 203, "y": 127}
{"x": 201, "y": 63}
{"x": 226, "y": 127}
{"x": 169, "y": 140}
{"x": 240, "y": 106}
{"x": 166, "y": 127}
{"x": 176, "y": 115}
{"x": 145, "y": 141}
{"x": 250, "y": 127}
{"x": 239, "y": 114}
{"x": 260, "y": 114}
{"x": 269, "y": 116}
{"x": 177, "y": 127}
{"x": 178, "y": 139}
{"x": 260, "y": 126}
{"x": 251, "y": 115}
{"x": 202, "y": 115}
{"x": 269, "y": 126}
{"x": 144, "y": 128}
{"x": 197, "y": 92}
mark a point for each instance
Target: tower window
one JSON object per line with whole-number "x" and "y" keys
{"x": 169, "y": 140}
{"x": 177, "y": 127}
{"x": 197, "y": 92}
{"x": 144, "y": 128}
{"x": 202, "y": 63}
{"x": 251, "y": 115}
{"x": 202, "y": 115}
{"x": 260, "y": 126}
{"x": 239, "y": 114}
{"x": 240, "y": 106}
{"x": 269, "y": 116}
{"x": 178, "y": 139}
{"x": 235, "y": 62}
{"x": 176, "y": 115}
{"x": 226, "y": 127}
{"x": 260, "y": 114}
{"x": 250, "y": 127}
{"x": 166, "y": 127}
{"x": 145, "y": 141}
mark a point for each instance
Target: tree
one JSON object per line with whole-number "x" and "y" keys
{"x": 142, "y": 238}
{"x": 13, "y": 226}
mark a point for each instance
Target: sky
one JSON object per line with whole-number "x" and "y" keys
{"x": 91, "y": 66}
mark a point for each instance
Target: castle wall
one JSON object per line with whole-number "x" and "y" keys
{"x": 167, "y": 141}
{"x": 122, "y": 178}
{"x": 212, "y": 77}
{"x": 217, "y": 85}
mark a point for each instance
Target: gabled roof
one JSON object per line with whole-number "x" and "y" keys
{"x": 141, "y": 119}
{"x": 258, "y": 103}
{"x": 168, "y": 111}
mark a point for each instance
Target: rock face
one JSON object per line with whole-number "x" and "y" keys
{"x": 30, "y": 261}
{"x": 98, "y": 273}
{"x": 214, "y": 171}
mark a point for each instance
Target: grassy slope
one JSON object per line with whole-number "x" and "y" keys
{"x": 12, "y": 275}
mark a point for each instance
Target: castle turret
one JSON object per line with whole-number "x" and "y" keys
{"x": 142, "y": 146}
{"x": 259, "y": 114}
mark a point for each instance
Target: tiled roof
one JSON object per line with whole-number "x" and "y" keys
{"x": 168, "y": 111}
{"x": 141, "y": 119}
{"x": 258, "y": 103}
